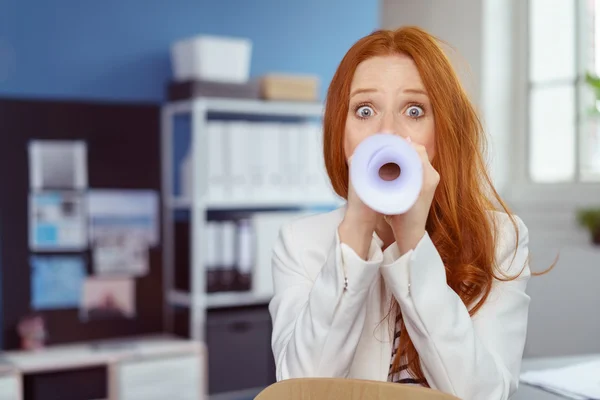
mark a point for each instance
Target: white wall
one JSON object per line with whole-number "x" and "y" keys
{"x": 563, "y": 315}
{"x": 490, "y": 35}
{"x": 466, "y": 25}
{"x": 441, "y": 18}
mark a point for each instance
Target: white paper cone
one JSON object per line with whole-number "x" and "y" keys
{"x": 387, "y": 197}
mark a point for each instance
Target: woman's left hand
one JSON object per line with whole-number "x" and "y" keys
{"x": 409, "y": 227}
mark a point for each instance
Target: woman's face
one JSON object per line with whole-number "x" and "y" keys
{"x": 387, "y": 95}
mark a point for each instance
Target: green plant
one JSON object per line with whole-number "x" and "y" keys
{"x": 590, "y": 219}
{"x": 593, "y": 82}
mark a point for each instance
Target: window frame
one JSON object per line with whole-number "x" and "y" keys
{"x": 521, "y": 190}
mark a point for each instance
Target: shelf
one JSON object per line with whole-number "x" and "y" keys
{"x": 179, "y": 298}
{"x": 233, "y": 299}
{"x": 179, "y": 203}
{"x": 248, "y": 106}
{"x": 202, "y": 202}
{"x": 183, "y": 203}
{"x": 220, "y": 300}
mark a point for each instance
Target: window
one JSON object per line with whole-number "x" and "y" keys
{"x": 564, "y": 135}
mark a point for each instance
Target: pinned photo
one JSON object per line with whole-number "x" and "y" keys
{"x": 56, "y": 281}
{"x": 58, "y": 165}
{"x": 123, "y": 217}
{"x": 57, "y": 222}
{"x": 124, "y": 258}
{"x": 108, "y": 299}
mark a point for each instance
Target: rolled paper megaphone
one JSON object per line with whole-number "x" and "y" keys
{"x": 393, "y": 196}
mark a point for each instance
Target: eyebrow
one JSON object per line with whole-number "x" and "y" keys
{"x": 415, "y": 91}
{"x": 371, "y": 90}
{"x": 358, "y": 91}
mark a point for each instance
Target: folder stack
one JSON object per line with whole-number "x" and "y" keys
{"x": 253, "y": 163}
{"x": 229, "y": 257}
{"x": 239, "y": 251}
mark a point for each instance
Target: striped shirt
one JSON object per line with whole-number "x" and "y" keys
{"x": 400, "y": 375}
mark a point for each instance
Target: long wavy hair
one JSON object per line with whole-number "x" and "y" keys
{"x": 458, "y": 222}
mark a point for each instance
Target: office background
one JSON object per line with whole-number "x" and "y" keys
{"x": 116, "y": 53}
{"x": 119, "y": 51}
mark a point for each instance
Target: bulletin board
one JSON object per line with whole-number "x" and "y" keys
{"x": 115, "y": 183}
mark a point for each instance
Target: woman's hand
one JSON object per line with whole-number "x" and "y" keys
{"x": 409, "y": 227}
{"x": 357, "y": 227}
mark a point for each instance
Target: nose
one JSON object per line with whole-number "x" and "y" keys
{"x": 387, "y": 124}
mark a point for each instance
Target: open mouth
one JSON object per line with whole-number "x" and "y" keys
{"x": 389, "y": 171}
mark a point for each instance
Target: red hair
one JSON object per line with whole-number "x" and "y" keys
{"x": 458, "y": 222}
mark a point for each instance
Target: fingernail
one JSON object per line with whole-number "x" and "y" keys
{"x": 408, "y": 139}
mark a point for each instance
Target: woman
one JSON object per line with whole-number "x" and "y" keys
{"x": 433, "y": 297}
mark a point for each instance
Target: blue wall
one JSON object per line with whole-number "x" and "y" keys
{"x": 119, "y": 49}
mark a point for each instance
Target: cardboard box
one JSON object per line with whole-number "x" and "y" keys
{"x": 347, "y": 389}
{"x": 290, "y": 87}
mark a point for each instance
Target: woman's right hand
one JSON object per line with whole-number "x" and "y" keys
{"x": 357, "y": 227}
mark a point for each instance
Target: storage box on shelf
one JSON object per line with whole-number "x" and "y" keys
{"x": 289, "y": 87}
{"x": 183, "y": 90}
{"x": 228, "y": 161}
{"x": 212, "y": 58}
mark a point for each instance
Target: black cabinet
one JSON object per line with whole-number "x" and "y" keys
{"x": 76, "y": 384}
{"x": 239, "y": 349}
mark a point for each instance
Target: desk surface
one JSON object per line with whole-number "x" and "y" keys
{"x": 527, "y": 392}
{"x": 55, "y": 358}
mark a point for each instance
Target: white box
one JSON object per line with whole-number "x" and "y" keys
{"x": 212, "y": 58}
{"x": 178, "y": 377}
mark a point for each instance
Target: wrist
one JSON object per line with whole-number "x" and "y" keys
{"x": 356, "y": 235}
{"x": 357, "y": 227}
{"x": 361, "y": 222}
{"x": 407, "y": 241}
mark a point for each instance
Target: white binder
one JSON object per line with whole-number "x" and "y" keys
{"x": 238, "y": 141}
{"x": 273, "y": 154}
{"x": 218, "y": 162}
{"x": 228, "y": 254}
{"x": 213, "y": 254}
{"x": 317, "y": 181}
{"x": 294, "y": 143}
{"x": 257, "y": 177}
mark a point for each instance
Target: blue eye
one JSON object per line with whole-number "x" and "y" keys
{"x": 364, "y": 112}
{"x": 415, "y": 112}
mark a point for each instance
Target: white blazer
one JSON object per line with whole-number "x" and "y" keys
{"x": 322, "y": 329}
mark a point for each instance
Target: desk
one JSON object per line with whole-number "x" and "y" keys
{"x": 10, "y": 383}
{"x": 151, "y": 367}
{"x": 527, "y": 392}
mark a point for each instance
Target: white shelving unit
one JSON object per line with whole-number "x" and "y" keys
{"x": 198, "y": 203}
